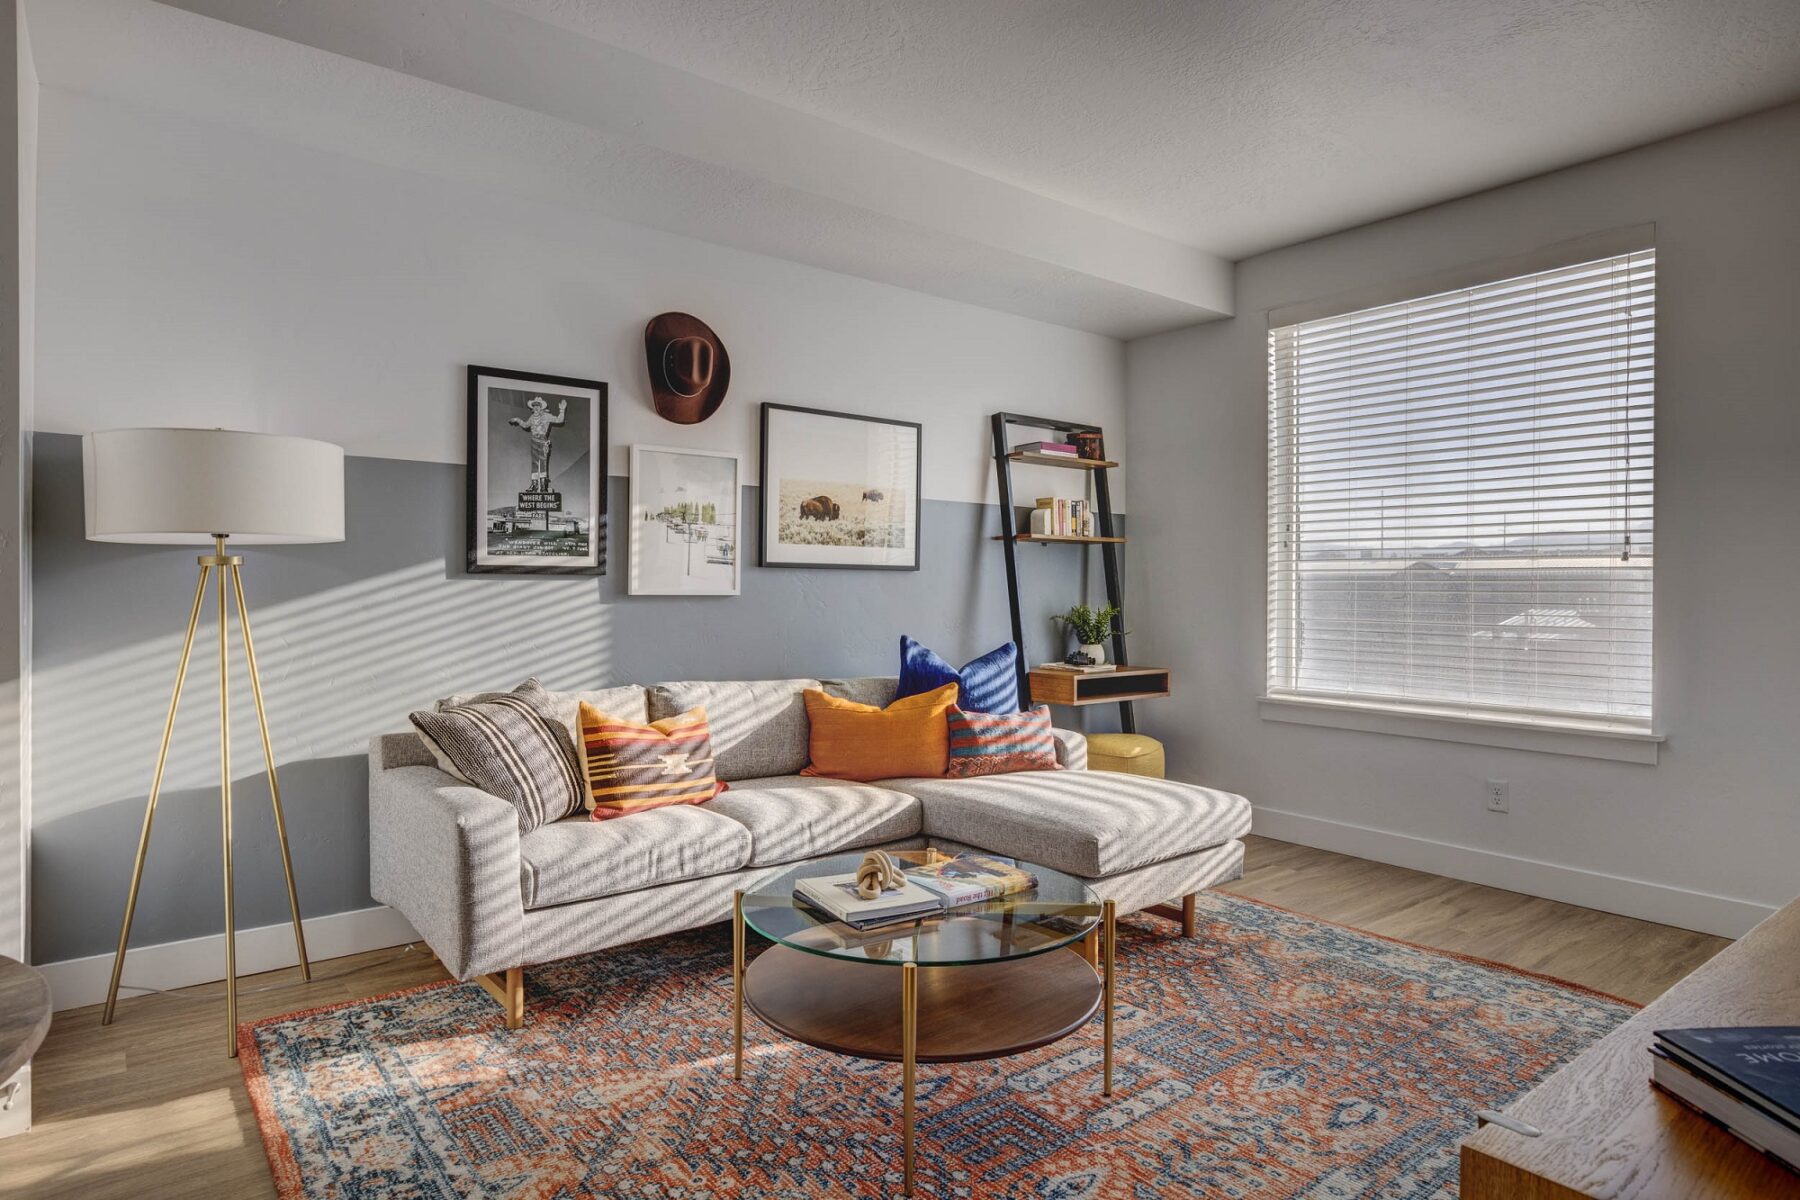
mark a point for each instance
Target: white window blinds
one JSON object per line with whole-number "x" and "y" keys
{"x": 1460, "y": 499}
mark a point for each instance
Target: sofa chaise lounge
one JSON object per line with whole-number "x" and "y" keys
{"x": 490, "y": 901}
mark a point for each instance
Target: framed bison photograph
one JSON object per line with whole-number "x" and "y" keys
{"x": 839, "y": 490}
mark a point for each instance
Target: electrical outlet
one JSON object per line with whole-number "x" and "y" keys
{"x": 1499, "y": 796}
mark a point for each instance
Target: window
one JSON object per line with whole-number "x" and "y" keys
{"x": 1460, "y": 499}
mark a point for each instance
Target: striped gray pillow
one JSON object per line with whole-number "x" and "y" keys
{"x": 511, "y": 745}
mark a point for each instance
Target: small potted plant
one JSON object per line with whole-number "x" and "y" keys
{"x": 1091, "y": 627}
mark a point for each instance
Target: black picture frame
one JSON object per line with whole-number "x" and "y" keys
{"x": 481, "y": 558}
{"x": 769, "y": 551}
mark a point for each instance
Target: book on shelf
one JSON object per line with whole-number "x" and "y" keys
{"x": 929, "y": 890}
{"x": 1052, "y": 449}
{"x": 1745, "y": 1078}
{"x": 971, "y": 878}
{"x": 1080, "y": 668}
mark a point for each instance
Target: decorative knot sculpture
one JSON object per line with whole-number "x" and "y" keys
{"x": 879, "y": 873}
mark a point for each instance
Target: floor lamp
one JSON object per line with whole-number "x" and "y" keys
{"x": 195, "y": 487}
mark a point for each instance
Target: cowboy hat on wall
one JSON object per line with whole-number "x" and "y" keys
{"x": 689, "y": 369}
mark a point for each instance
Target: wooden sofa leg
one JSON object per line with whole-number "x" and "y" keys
{"x": 1187, "y": 916}
{"x": 509, "y": 990}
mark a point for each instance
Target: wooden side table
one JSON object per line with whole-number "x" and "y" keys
{"x": 1606, "y": 1134}
{"x": 24, "y": 1020}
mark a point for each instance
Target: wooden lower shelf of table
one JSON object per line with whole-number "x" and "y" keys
{"x": 973, "y": 1011}
{"x": 1050, "y": 686}
{"x": 1608, "y": 1135}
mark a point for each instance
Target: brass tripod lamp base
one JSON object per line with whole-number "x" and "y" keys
{"x": 229, "y": 586}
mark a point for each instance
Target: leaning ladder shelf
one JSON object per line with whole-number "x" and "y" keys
{"x": 1005, "y": 459}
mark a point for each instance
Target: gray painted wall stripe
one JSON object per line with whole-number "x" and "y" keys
{"x": 354, "y": 636}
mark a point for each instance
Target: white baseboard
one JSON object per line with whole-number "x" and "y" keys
{"x": 78, "y": 982}
{"x": 1684, "y": 909}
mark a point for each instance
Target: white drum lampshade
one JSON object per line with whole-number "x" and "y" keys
{"x": 179, "y": 487}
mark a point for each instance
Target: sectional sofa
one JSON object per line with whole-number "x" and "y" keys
{"x": 490, "y": 902}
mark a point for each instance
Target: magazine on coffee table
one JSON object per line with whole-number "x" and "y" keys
{"x": 971, "y": 878}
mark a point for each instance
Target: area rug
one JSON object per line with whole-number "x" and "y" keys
{"x": 1273, "y": 1056}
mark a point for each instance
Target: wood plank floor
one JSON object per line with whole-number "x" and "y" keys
{"x": 152, "y": 1107}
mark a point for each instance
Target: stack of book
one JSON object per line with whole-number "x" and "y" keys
{"x": 929, "y": 889}
{"x": 1056, "y": 517}
{"x": 1080, "y": 668}
{"x": 1745, "y": 1078}
{"x": 1048, "y": 449}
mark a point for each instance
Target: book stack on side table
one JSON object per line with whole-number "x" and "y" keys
{"x": 1745, "y": 1078}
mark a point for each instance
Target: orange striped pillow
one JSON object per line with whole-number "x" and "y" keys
{"x": 630, "y": 768}
{"x": 911, "y": 736}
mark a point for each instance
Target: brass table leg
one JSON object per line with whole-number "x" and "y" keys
{"x": 737, "y": 984}
{"x": 1108, "y": 919}
{"x": 909, "y": 1049}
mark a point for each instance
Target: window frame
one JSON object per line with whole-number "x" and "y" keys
{"x": 1625, "y": 739}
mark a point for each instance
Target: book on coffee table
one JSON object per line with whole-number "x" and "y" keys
{"x": 836, "y": 896}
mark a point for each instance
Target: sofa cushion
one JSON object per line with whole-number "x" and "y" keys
{"x": 759, "y": 726}
{"x": 989, "y": 684}
{"x": 627, "y": 702}
{"x": 1000, "y": 743}
{"x": 911, "y": 736}
{"x": 878, "y": 691}
{"x": 629, "y": 767}
{"x": 791, "y": 817}
{"x": 580, "y": 859}
{"x": 1088, "y": 823}
{"x": 508, "y": 745}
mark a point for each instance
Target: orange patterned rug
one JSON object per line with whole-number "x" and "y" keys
{"x": 1274, "y": 1056}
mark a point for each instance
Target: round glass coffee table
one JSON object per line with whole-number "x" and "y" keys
{"x": 980, "y": 981}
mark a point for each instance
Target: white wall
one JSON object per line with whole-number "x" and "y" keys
{"x": 1710, "y": 836}
{"x": 197, "y": 275}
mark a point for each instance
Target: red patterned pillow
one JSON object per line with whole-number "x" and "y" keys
{"x": 1000, "y": 743}
{"x": 630, "y": 768}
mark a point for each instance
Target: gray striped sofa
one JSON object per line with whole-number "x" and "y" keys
{"x": 490, "y": 901}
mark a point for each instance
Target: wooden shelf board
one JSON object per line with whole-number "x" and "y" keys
{"x": 1115, "y": 673}
{"x": 1121, "y": 698}
{"x": 1059, "y": 460}
{"x": 1079, "y": 541}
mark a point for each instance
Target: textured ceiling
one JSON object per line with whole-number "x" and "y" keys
{"x": 1233, "y": 125}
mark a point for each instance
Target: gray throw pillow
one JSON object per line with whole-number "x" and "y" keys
{"x": 510, "y": 745}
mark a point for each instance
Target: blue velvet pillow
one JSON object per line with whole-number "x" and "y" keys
{"x": 990, "y": 684}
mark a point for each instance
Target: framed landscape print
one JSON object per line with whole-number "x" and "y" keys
{"x": 839, "y": 490}
{"x": 685, "y": 521}
{"x": 537, "y": 474}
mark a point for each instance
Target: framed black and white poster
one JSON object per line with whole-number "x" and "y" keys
{"x": 537, "y": 474}
{"x": 839, "y": 490}
{"x": 685, "y": 521}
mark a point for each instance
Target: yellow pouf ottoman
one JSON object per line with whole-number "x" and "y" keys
{"x": 1130, "y": 753}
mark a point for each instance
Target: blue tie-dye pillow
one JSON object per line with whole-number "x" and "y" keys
{"x": 990, "y": 684}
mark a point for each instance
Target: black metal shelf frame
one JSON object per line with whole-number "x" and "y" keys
{"x": 1109, "y": 552}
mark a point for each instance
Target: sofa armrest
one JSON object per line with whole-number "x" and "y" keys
{"x": 1071, "y": 749}
{"x": 446, "y": 855}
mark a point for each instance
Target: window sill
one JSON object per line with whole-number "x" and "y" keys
{"x": 1581, "y": 739}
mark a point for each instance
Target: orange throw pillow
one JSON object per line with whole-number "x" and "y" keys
{"x": 630, "y": 768}
{"x": 911, "y": 736}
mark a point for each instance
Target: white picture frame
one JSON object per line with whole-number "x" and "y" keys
{"x": 685, "y": 519}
